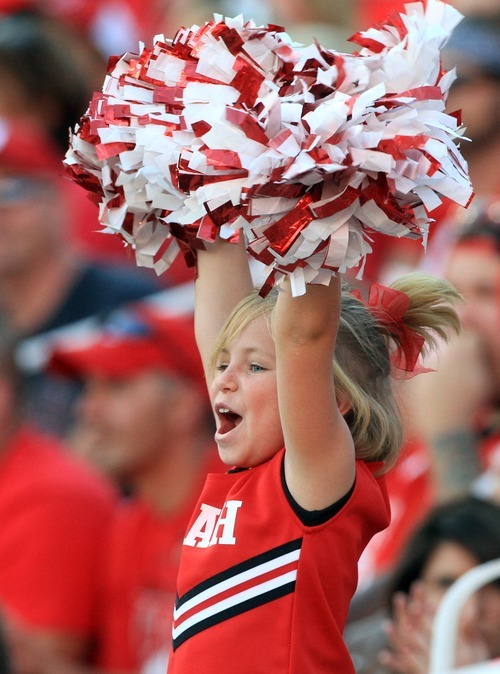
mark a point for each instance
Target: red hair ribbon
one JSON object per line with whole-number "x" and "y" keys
{"x": 388, "y": 306}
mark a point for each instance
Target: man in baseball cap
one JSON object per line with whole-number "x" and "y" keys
{"x": 47, "y": 281}
{"x": 144, "y": 419}
{"x": 133, "y": 339}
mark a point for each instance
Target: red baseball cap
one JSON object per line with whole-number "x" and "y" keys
{"x": 27, "y": 149}
{"x": 132, "y": 340}
{"x": 13, "y": 6}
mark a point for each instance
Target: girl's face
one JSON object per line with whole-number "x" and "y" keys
{"x": 245, "y": 399}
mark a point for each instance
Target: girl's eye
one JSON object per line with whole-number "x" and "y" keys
{"x": 221, "y": 367}
{"x": 256, "y": 368}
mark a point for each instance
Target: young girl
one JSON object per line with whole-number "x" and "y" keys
{"x": 270, "y": 556}
{"x": 232, "y": 126}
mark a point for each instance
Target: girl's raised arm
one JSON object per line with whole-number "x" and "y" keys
{"x": 223, "y": 279}
{"x": 319, "y": 461}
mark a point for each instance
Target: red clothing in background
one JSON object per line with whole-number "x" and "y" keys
{"x": 411, "y": 494}
{"x": 370, "y": 12}
{"x": 139, "y": 586}
{"x": 139, "y": 582}
{"x": 54, "y": 514}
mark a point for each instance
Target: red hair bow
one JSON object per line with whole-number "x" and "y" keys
{"x": 388, "y": 306}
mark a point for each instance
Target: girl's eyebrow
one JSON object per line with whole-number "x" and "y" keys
{"x": 256, "y": 351}
{"x": 247, "y": 352}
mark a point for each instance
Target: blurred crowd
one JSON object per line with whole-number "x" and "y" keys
{"x": 106, "y": 431}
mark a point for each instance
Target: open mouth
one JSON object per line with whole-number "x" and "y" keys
{"x": 228, "y": 420}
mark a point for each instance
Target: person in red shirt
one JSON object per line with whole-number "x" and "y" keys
{"x": 47, "y": 283}
{"x": 271, "y": 552}
{"x": 55, "y": 511}
{"x": 462, "y": 431}
{"x": 453, "y": 440}
{"x": 143, "y": 419}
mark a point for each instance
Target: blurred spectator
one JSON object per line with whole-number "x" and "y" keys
{"x": 144, "y": 419}
{"x": 411, "y": 494}
{"x": 48, "y": 72}
{"x": 461, "y": 426}
{"x": 452, "y": 439}
{"x": 453, "y": 538}
{"x": 55, "y": 512}
{"x": 46, "y": 283}
{"x": 112, "y": 26}
{"x": 474, "y": 49}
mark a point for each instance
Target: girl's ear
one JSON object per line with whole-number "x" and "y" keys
{"x": 343, "y": 404}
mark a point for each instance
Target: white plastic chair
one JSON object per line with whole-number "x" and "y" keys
{"x": 447, "y": 617}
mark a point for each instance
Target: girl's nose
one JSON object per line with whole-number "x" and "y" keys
{"x": 226, "y": 380}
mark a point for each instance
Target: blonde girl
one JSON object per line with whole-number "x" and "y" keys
{"x": 306, "y": 421}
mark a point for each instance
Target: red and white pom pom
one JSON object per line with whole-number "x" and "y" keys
{"x": 308, "y": 150}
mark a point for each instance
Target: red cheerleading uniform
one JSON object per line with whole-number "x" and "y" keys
{"x": 259, "y": 590}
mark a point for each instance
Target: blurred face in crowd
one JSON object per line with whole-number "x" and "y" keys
{"x": 474, "y": 268}
{"x": 447, "y": 562}
{"x": 481, "y": 615}
{"x": 125, "y": 424}
{"x": 478, "y": 96}
{"x": 30, "y": 221}
{"x": 489, "y": 617}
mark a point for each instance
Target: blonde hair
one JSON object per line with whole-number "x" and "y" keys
{"x": 362, "y": 358}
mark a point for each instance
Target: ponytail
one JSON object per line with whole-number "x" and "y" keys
{"x": 377, "y": 340}
{"x": 431, "y": 311}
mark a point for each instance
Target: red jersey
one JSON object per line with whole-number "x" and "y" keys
{"x": 259, "y": 590}
{"x": 411, "y": 494}
{"x": 140, "y": 570}
{"x": 54, "y": 514}
{"x": 139, "y": 581}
